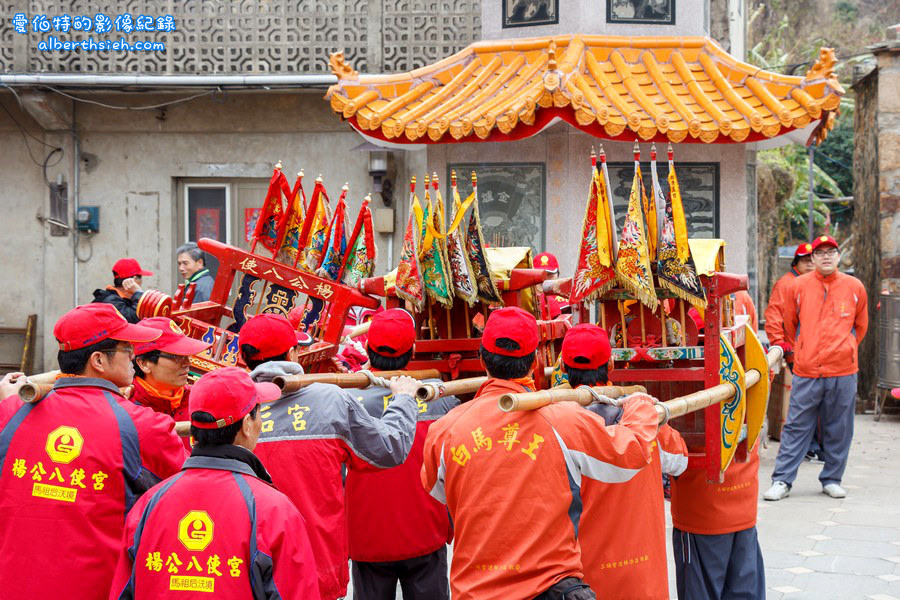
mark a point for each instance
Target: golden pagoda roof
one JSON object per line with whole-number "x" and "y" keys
{"x": 678, "y": 89}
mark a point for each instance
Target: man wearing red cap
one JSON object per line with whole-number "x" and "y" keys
{"x": 622, "y": 558}
{"x": 826, "y": 312}
{"x": 775, "y": 312}
{"x": 551, "y": 305}
{"x": 125, "y": 292}
{"x": 512, "y": 480}
{"x": 161, "y": 369}
{"x": 220, "y": 526}
{"x": 398, "y": 533}
{"x": 311, "y": 435}
{"x": 75, "y": 462}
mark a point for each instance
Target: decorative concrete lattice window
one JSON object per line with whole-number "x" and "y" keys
{"x": 511, "y": 201}
{"x": 699, "y": 183}
{"x": 245, "y": 36}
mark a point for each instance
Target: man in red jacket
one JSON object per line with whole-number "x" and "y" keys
{"x": 512, "y": 481}
{"x": 125, "y": 293}
{"x": 74, "y": 462}
{"x": 161, "y": 369}
{"x": 219, "y": 526}
{"x": 826, "y": 313}
{"x": 774, "y": 313}
{"x": 309, "y": 436}
{"x": 398, "y": 533}
{"x": 623, "y": 558}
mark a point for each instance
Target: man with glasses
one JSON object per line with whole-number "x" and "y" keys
{"x": 161, "y": 369}
{"x": 125, "y": 292}
{"x": 826, "y": 313}
{"x": 74, "y": 462}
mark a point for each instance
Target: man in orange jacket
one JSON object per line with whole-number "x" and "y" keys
{"x": 827, "y": 314}
{"x": 512, "y": 481}
{"x": 623, "y": 558}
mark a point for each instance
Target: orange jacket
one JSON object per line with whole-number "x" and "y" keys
{"x": 717, "y": 508}
{"x": 774, "y": 312}
{"x": 511, "y": 482}
{"x": 743, "y": 305}
{"x": 828, "y": 316}
{"x": 625, "y": 558}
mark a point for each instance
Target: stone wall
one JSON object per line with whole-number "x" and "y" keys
{"x": 866, "y": 248}
{"x": 888, "y": 110}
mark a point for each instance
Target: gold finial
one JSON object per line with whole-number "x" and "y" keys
{"x": 300, "y": 174}
{"x": 368, "y": 198}
{"x": 434, "y": 177}
{"x": 474, "y": 178}
{"x": 346, "y": 186}
{"x": 427, "y": 180}
{"x": 453, "y": 177}
{"x": 278, "y": 166}
{"x": 319, "y": 178}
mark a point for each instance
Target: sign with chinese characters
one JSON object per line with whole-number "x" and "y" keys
{"x": 651, "y": 12}
{"x": 511, "y": 201}
{"x": 699, "y": 183}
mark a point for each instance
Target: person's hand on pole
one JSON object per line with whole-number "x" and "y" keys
{"x": 404, "y": 385}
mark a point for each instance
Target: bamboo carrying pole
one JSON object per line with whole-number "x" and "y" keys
{"x": 38, "y": 386}
{"x": 292, "y": 383}
{"x": 676, "y": 407}
{"x": 582, "y": 395}
{"x": 431, "y": 390}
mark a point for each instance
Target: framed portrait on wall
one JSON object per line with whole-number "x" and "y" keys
{"x": 650, "y": 12}
{"x": 511, "y": 201}
{"x": 528, "y": 13}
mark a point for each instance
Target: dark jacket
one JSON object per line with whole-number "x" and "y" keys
{"x": 126, "y": 306}
{"x": 204, "y": 284}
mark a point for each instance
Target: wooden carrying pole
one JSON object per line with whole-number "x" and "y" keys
{"x": 292, "y": 383}
{"x": 431, "y": 390}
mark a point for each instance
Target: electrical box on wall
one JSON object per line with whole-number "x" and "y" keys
{"x": 88, "y": 219}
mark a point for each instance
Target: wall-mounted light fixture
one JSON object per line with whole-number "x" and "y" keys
{"x": 379, "y": 167}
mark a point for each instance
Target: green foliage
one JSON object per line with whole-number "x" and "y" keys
{"x": 835, "y": 155}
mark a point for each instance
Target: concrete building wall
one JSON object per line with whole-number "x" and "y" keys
{"x": 888, "y": 110}
{"x": 132, "y": 164}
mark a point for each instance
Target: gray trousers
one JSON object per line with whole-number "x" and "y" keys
{"x": 719, "y": 567}
{"x": 830, "y": 400}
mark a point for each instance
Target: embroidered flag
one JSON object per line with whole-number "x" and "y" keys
{"x": 315, "y": 228}
{"x": 294, "y": 222}
{"x": 594, "y": 273}
{"x": 336, "y": 244}
{"x": 360, "y": 261}
{"x": 271, "y": 222}
{"x": 409, "y": 284}
{"x": 658, "y": 203}
{"x": 614, "y": 234}
{"x": 676, "y": 269}
{"x": 633, "y": 260}
{"x": 461, "y": 274}
{"x": 431, "y": 254}
{"x": 481, "y": 268}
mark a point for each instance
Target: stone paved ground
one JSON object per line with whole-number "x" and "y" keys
{"x": 819, "y": 548}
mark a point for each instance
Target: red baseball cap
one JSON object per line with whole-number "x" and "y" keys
{"x": 392, "y": 332}
{"x": 172, "y": 339}
{"x": 823, "y": 240}
{"x": 803, "y": 250}
{"x": 586, "y": 346}
{"x": 512, "y": 323}
{"x": 546, "y": 261}
{"x": 128, "y": 267}
{"x": 91, "y": 323}
{"x": 228, "y": 394}
{"x": 272, "y": 335}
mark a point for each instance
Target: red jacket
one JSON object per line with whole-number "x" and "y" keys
{"x": 623, "y": 527}
{"x": 308, "y": 437}
{"x": 145, "y": 396}
{"x": 390, "y": 515}
{"x": 717, "y": 508}
{"x": 72, "y": 465}
{"x": 512, "y": 484}
{"x": 828, "y": 316}
{"x": 215, "y": 527}
{"x": 774, "y": 313}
